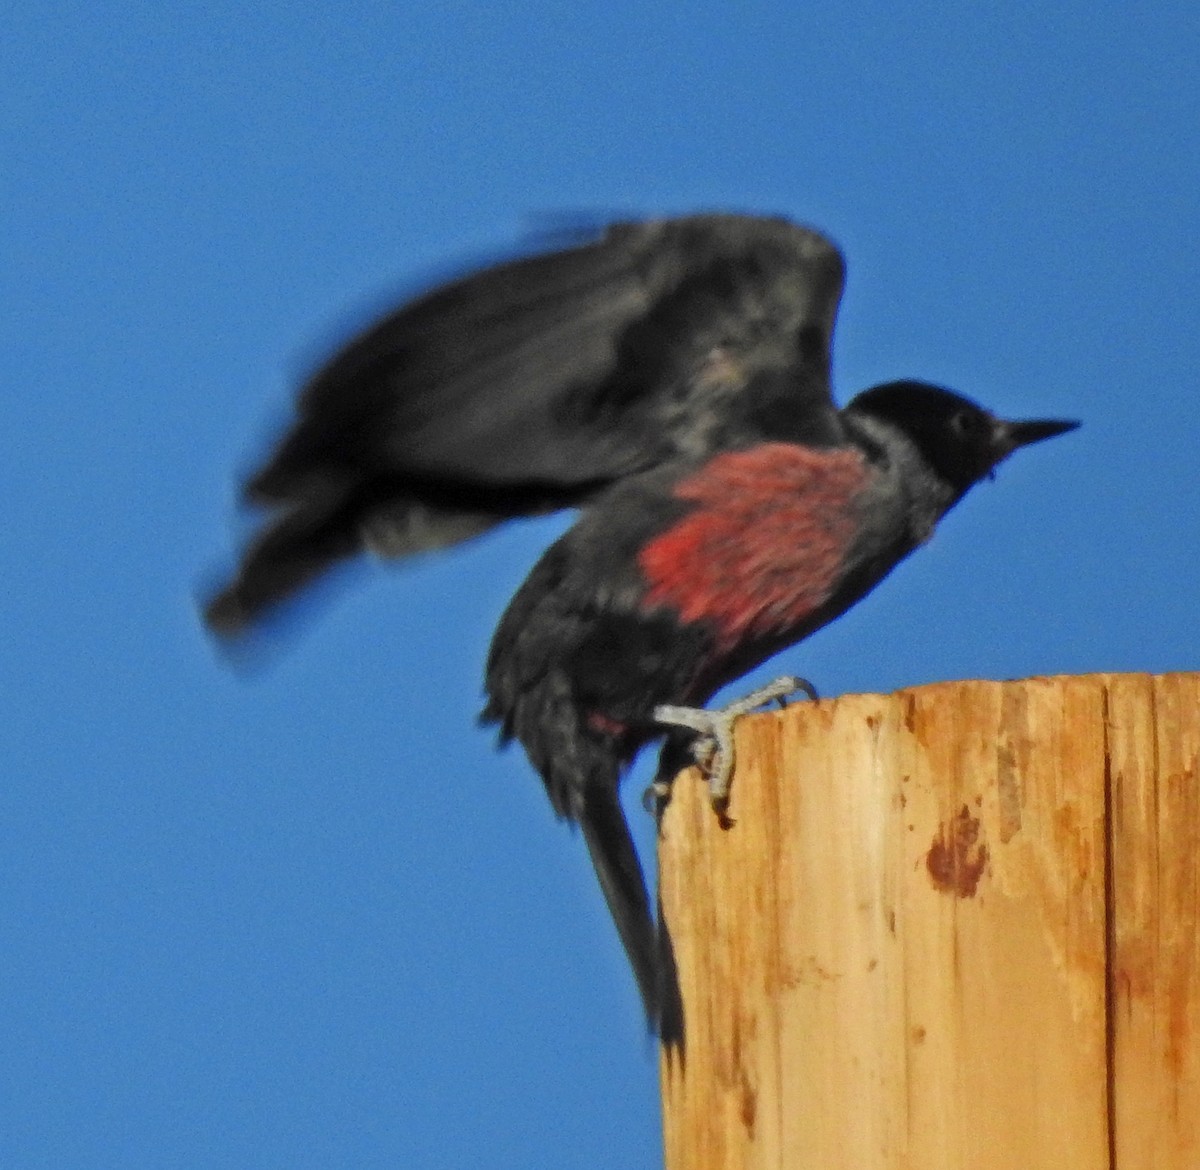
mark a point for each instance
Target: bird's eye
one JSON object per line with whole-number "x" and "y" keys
{"x": 963, "y": 423}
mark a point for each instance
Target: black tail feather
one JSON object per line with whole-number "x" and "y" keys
{"x": 620, "y": 874}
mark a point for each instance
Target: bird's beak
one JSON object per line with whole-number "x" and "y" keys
{"x": 1011, "y": 435}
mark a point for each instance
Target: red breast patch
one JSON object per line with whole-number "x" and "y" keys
{"x": 765, "y": 543}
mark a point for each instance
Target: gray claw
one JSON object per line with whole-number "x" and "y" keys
{"x": 713, "y": 746}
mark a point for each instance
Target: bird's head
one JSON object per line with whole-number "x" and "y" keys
{"x": 960, "y": 440}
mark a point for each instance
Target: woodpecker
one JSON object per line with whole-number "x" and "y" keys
{"x": 670, "y": 379}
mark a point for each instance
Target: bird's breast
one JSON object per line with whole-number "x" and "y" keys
{"x": 764, "y": 543}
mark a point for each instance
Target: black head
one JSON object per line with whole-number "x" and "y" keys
{"x": 960, "y": 440}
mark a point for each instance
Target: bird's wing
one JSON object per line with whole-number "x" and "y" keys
{"x": 566, "y": 370}
{"x": 537, "y": 383}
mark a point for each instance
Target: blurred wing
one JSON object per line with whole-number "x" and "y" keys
{"x": 570, "y": 369}
{"x": 532, "y": 385}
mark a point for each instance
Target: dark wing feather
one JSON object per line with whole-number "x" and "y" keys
{"x": 533, "y": 384}
{"x": 577, "y": 366}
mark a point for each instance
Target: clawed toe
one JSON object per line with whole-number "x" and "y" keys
{"x": 712, "y": 747}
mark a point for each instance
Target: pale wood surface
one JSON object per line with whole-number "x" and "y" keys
{"x": 954, "y": 928}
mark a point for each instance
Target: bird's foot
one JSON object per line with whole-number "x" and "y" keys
{"x": 712, "y": 747}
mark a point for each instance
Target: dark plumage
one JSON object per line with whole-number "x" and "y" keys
{"x": 672, "y": 380}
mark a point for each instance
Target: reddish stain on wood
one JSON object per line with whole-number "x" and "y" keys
{"x": 957, "y": 858}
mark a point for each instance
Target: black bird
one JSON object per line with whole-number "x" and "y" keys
{"x": 671, "y": 379}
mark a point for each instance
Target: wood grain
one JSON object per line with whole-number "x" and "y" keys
{"x": 954, "y": 927}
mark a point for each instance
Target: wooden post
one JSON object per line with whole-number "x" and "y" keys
{"x": 953, "y": 928}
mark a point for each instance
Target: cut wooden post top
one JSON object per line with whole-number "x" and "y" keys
{"x": 953, "y": 927}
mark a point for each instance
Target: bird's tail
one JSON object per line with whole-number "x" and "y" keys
{"x": 619, "y": 871}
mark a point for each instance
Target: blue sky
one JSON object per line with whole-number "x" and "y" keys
{"x": 308, "y": 918}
